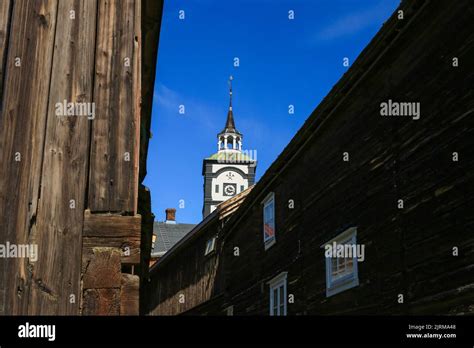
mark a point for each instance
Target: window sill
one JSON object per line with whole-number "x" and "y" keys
{"x": 269, "y": 243}
{"x": 341, "y": 285}
{"x": 209, "y": 254}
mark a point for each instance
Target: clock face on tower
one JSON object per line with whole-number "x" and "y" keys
{"x": 230, "y": 189}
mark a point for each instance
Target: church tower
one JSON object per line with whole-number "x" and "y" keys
{"x": 229, "y": 171}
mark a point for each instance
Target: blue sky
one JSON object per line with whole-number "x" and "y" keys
{"x": 282, "y": 62}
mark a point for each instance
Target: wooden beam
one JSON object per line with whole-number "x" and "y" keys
{"x": 107, "y": 230}
{"x": 103, "y": 269}
{"x": 101, "y": 302}
{"x": 109, "y": 225}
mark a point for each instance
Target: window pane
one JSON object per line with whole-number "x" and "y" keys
{"x": 341, "y": 266}
{"x": 334, "y": 267}
{"x": 350, "y": 263}
{"x": 267, "y": 213}
{"x": 268, "y": 221}
{"x": 269, "y": 231}
{"x": 348, "y": 266}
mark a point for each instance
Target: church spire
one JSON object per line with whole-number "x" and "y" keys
{"x": 230, "y": 123}
{"x": 230, "y": 138}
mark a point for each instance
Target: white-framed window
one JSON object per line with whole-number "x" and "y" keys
{"x": 210, "y": 246}
{"x": 269, "y": 220}
{"x": 217, "y": 188}
{"x": 278, "y": 294}
{"x": 229, "y": 311}
{"x": 341, "y": 254}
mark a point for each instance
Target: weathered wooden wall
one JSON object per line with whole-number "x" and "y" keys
{"x": 409, "y": 251}
{"x": 69, "y": 184}
{"x": 177, "y": 286}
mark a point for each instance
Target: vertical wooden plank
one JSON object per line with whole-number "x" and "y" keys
{"x": 22, "y": 127}
{"x": 59, "y": 225}
{"x": 5, "y": 15}
{"x": 137, "y": 96}
{"x": 113, "y": 177}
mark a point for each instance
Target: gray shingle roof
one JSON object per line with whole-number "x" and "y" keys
{"x": 168, "y": 235}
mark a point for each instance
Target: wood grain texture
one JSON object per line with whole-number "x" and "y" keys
{"x": 101, "y": 302}
{"x": 103, "y": 269}
{"x": 130, "y": 247}
{"x": 107, "y": 230}
{"x": 22, "y": 132}
{"x": 129, "y": 294}
{"x": 108, "y": 225}
{"x": 58, "y": 229}
{"x": 137, "y": 99}
{"x": 113, "y": 179}
{"x": 5, "y": 16}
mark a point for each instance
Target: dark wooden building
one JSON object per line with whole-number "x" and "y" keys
{"x": 398, "y": 186}
{"x": 69, "y": 180}
{"x": 186, "y": 275}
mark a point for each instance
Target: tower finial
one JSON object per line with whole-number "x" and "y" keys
{"x": 230, "y": 91}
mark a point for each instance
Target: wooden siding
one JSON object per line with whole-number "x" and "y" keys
{"x": 177, "y": 286}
